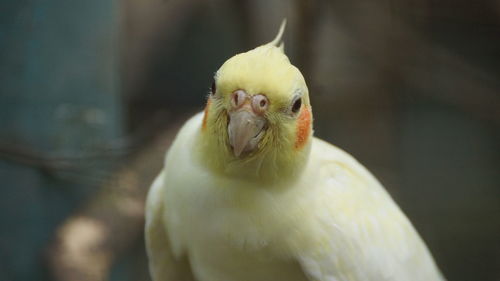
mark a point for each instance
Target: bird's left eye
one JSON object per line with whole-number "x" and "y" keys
{"x": 297, "y": 103}
{"x": 213, "y": 88}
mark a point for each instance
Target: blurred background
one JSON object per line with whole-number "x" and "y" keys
{"x": 92, "y": 93}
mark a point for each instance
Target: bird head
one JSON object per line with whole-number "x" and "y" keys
{"x": 258, "y": 121}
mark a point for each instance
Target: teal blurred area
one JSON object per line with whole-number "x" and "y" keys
{"x": 59, "y": 99}
{"x": 410, "y": 88}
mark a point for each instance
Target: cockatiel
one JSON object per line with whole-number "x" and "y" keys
{"x": 248, "y": 194}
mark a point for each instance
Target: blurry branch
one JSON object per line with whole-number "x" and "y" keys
{"x": 26, "y": 156}
{"x": 87, "y": 243}
{"x": 90, "y": 165}
{"x": 71, "y": 168}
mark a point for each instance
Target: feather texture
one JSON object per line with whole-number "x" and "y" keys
{"x": 294, "y": 208}
{"x": 335, "y": 222}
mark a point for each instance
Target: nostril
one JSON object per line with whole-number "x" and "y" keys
{"x": 239, "y": 97}
{"x": 260, "y": 104}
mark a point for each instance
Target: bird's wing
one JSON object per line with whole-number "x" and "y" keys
{"x": 361, "y": 234}
{"x": 163, "y": 266}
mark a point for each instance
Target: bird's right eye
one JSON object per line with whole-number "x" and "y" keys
{"x": 213, "y": 89}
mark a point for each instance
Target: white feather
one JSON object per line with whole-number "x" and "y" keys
{"x": 335, "y": 223}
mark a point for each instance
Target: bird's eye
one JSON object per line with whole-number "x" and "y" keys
{"x": 296, "y": 105}
{"x": 213, "y": 89}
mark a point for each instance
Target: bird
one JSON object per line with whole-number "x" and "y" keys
{"x": 247, "y": 193}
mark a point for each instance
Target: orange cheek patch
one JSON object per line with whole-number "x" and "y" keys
{"x": 205, "y": 116}
{"x": 303, "y": 127}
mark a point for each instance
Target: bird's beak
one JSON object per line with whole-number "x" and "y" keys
{"x": 245, "y": 130}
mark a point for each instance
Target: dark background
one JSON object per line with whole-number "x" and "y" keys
{"x": 92, "y": 92}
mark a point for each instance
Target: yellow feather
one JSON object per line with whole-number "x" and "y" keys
{"x": 279, "y": 213}
{"x": 264, "y": 70}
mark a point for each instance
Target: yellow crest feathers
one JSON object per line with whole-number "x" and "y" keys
{"x": 278, "y": 40}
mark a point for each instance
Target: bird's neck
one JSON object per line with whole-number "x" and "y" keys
{"x": 277, "y": 164}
